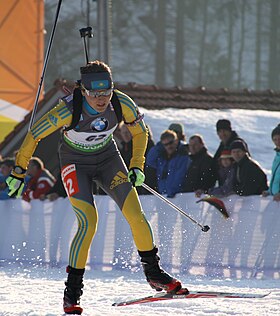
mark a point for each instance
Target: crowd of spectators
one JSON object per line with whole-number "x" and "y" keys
{"x": 177, "y": 164}
{"x": 173, "y": 165}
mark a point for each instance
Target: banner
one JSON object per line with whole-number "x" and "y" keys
{"x": 245, "y": 245}
{"x": 21, "y": 59}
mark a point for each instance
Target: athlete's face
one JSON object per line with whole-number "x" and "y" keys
{"x": 98, "y": 103}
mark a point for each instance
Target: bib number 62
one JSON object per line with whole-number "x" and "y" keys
{"x": 95, "y": 137}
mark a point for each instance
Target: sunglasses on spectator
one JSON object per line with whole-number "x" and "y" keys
{"x": 168, "y": 143}
{"x": 96, "y": 94}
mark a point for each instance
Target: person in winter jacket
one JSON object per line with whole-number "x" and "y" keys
{"x": 125, "y": 149}
{"x": 178, "y": 128}
{"x": 6, "y": 166}
{"x": 41, "y": 180}
{"x": 170, "y": 161}
{"x": 249, "y": 178}
{"x": 225, "y": 176}
{"x": 227, "y": 136}
{"x": 274, "y": 185}
{"x": 201, "y": 175}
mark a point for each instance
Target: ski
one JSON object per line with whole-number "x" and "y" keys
{"x": 191, "y": 294}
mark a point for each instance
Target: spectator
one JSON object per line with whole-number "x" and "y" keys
{"x": 126, "y": 143}
{"x": 126, "y": 152}
{"x": 249, "y": 178}
{"x": 225, "y": 176}
{"x": 118, "y": 137}
{"x": 178, "y": 128}
{"x": 1, "y": 159}
{"x": 274, "y": 186}
{"x": 151, "y": 142}
{"x": 227, "y": 136}
{"x": 56, "y": 191}
{"x": 7, "y": 165}
{"x": 201, "y": 175}
{"x": 41, "y": 180}
{"x": 150, "y": 177}
{"x": 170, "y": 163}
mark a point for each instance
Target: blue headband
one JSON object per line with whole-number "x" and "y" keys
{"x": 96, "y": 81}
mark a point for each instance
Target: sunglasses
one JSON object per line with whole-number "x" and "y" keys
{"x": 169, "y": 143}
{"x": 96, "y": 94}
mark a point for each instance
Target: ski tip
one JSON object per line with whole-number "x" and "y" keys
{"x": 266, "y": 294}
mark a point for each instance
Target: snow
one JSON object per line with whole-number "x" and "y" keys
{"x": 37, "y": 290}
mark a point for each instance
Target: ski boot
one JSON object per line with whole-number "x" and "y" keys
{"x": 156, "y": 276}
{"x": 73, "y": 291}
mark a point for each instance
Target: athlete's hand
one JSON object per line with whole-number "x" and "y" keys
{"x": 136, "y": 177}
{"x": 15, "y": 182}
{"x": 15, "y": 185}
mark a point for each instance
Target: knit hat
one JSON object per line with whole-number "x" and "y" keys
{"x": 238, "y": 144}
{"x": 276, "y": 131}
{"x": 176, "y": 127}
{"x": 226, "y": 154}
{"x": 223, "y": 124}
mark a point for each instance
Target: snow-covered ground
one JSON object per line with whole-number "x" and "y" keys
{"x": 36, "y": 290}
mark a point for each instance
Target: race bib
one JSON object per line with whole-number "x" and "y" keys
{"x": 69, "y": 179}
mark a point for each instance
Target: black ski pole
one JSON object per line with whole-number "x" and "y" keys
{"x": 44, "y": 67}
{"x": 203, "y": 228}
{"x": 86, "y": 32}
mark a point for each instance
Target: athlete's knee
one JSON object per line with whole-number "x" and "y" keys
{"x": 86, "y": 214}
{"x": 132, "y": 209}
{"x": 134, "y": 216}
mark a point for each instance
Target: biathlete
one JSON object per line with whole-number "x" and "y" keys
{"x": 88, "y": 152}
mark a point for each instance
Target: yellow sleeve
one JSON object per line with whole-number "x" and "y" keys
{"x": 137, "y": 128}
{"x": 57, "y": 117}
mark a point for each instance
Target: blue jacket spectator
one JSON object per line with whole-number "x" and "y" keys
{"x": 170, "y": 160}
{"x": 7, "y": 165}
{"x": 274, "y": 186}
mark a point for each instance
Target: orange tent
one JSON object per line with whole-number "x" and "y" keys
{"x": 21, "y": 59}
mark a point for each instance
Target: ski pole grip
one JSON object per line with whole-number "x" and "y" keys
{"x": 86, "y": 31}
{"x": 132, "y": 179}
